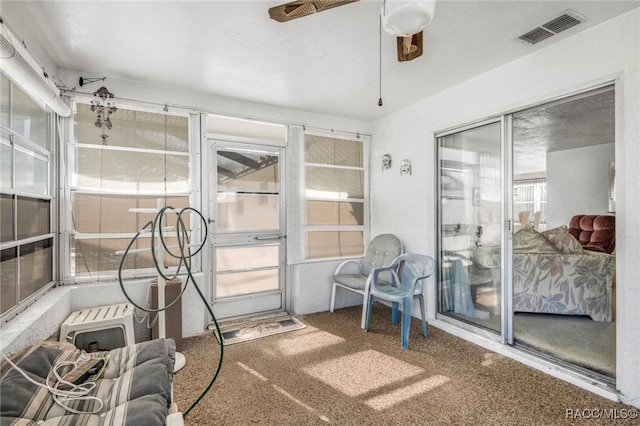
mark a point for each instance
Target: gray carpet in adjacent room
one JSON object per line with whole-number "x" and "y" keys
{"x": 576, "y": 339}
{"x": 332, "y": 372}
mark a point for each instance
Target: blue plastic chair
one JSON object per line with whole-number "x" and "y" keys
{"x": 403, "y": 288}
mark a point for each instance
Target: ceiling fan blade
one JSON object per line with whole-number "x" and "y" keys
{"x": 296, "y": 9}
{"x": 328, "y": 4}
{"x": 410, "y": 47}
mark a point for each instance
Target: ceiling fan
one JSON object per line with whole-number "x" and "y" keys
{"x": 403, "y": 19}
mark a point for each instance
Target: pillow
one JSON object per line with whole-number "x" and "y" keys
{"x": 562, "y": 239}
{"x": 528, "y": 240}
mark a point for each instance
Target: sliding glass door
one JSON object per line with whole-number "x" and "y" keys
{"x": 526, "y": 230}
{"x": 469, "y": 179}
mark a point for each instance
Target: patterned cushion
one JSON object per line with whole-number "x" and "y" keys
{"x": 528, "y": 240}
{"x": 563, "y": 240}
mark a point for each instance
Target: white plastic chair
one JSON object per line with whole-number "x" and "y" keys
{"x": 382, "y": 251}
{"x": 523, "y": 217}
{"x": 403, "y": 288}
{"x": 536, "y": 220}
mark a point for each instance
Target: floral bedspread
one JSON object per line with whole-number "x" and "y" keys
{"x": 559, "y": 283}
{"x": 553, "y": 274}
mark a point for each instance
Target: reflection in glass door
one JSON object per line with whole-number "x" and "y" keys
{"x": 469, "y": 179}
{"x": 247, "y": 233}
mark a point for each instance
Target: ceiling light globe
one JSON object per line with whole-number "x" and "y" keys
{"x": 403, "y": 18}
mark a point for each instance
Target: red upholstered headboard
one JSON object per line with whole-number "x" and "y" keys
{"x": 595, "y": 232}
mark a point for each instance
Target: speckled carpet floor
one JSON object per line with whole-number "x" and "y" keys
{"x": 332, "y": 372}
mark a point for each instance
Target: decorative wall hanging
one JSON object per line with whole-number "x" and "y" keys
{"x": 386, "y": 162}
{"x": 405, "y": 167}
{"x": 103, "y": 106}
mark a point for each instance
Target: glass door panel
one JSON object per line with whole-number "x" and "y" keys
{"x": 469, "y": 219}
{"x": 238, "y": 212}
{"x": 247, "y": 233}
{"x": 562, "y": 154}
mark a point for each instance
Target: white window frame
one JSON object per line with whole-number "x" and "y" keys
{"x": 17, "y": 142}
{"x": 305, "y": 229}
{"x": 538, "y": 203}
{"x": 67, "y": 229}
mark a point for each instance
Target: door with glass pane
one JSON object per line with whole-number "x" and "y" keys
{"x": 469, "y": 221}
{"x": 247, "y": 235}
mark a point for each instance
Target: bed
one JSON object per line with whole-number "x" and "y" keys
{"x": 552, "y": 273}
{"x": 135, "y": 386}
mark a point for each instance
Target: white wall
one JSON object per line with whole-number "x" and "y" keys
{"x": 311, "y": 288}
{"x": 578, "y": 182}
{"x": 404, "y": 205}
{"x": 143, "y": 92}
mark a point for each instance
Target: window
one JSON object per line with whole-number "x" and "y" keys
{"x": 334, "y": 196}
{"x": 146, "y": 158}
{"x": 530, "y": 195}
{"x": 26, "y": 237}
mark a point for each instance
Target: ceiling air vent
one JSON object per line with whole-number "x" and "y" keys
{"x": 563, "y": 22}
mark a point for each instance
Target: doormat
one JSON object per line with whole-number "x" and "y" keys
{"x": 258, "y": 329}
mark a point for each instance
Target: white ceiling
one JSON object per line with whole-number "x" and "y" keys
{"x": 325, "y": 63}
{"x": 579, "y": 121}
